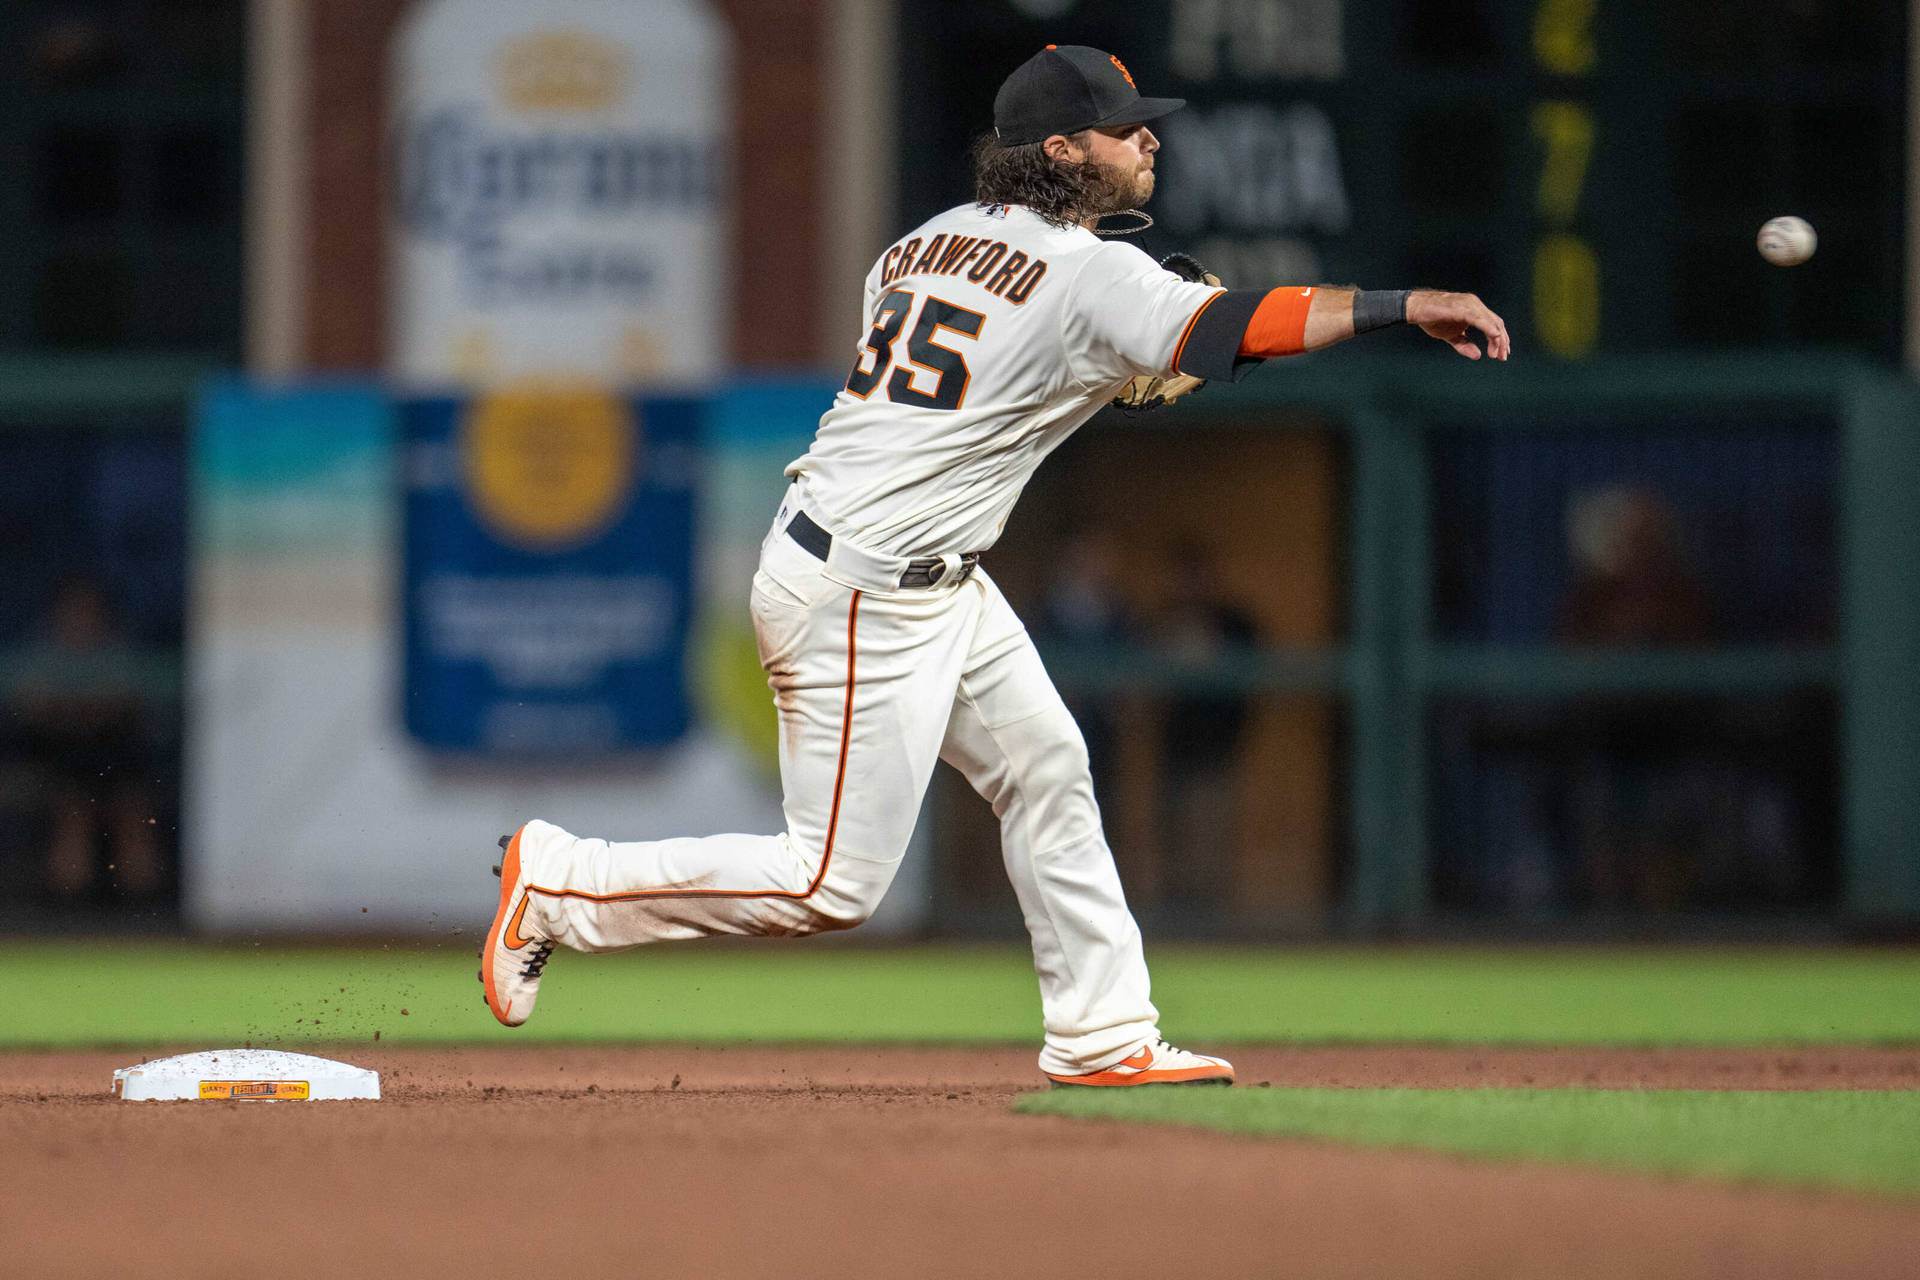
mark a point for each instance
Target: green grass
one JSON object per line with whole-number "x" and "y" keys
{"x": 77, "y": 993}
{"x": 1858, "y": 1141}
{"x": 70, "y": 993}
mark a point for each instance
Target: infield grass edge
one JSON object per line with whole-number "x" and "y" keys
{"x": 1865, "y": 1141}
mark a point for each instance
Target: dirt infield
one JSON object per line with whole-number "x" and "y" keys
{"x": 675, "y": 1161}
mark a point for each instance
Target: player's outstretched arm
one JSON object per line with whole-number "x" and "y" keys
{"x": 1237, "y": 328}
{"x": 1290, "y": 320}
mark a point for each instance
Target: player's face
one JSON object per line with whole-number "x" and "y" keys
{"x": 1125, "y": 152}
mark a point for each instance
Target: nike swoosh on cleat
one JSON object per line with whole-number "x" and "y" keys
{"x": 511, "y": 936}
{"x": 1142, "y": 1060}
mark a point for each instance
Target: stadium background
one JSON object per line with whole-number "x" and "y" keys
{"x": 1512, "y": 767}
{"x": 1613, "y": 641}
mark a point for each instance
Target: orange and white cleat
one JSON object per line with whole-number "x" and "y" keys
{"x": 1155, "y": 1062}
{"x": 511, "y": 961}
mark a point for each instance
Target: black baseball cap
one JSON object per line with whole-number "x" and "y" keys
{"x": 1065, "y": 88}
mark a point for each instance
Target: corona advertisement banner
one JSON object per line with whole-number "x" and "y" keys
{"x": 557, "y": 252}
{"x": 549, "y": 545}
{"x": 560, "y": 193}
{"x": 546, "y": 619}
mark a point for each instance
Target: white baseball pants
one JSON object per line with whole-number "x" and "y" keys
{"x": 871, "y": 687}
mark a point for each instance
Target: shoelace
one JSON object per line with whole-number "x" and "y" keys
{"x": 536, "y": 960}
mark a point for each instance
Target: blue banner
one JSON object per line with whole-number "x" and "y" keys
{"x": 549, "y": 553}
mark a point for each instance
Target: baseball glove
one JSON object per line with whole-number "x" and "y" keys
{"x": 1147, "y": 392}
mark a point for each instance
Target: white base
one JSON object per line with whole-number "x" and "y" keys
{"x": 256, "y": 1075}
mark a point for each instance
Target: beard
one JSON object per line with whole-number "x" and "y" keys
{"x": 1112, "y": 189}
{"x": 1108, "y": 188}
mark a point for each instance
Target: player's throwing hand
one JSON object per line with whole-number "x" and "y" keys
{"x": 1452, "y": 318}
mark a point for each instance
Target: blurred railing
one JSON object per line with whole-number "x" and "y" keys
{"x": 99, "y": 392}
{"x": 116, "y": 396}
{"x": 1392, "y": 665}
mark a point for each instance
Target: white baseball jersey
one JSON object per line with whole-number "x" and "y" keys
{"x": 994, "y": 334}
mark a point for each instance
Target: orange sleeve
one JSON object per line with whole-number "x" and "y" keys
{"x": 1279, "y": 324}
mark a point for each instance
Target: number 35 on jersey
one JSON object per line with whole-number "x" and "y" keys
{"x": 934, "y": 375}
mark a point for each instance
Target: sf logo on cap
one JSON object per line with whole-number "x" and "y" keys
{"x": 1123, "y": 68}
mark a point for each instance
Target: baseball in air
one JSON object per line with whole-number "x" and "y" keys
{"x": 1787, "y": 242}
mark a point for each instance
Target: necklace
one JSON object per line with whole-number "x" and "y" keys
{"x": 1146, "y": 220}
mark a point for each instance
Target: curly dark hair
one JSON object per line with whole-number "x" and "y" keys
{"x": 1064, "y": 192}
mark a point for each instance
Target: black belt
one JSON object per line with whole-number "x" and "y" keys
{"x": 927, "y": 572}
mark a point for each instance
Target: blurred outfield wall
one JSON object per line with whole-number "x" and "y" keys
{"x": 307, "y": 806}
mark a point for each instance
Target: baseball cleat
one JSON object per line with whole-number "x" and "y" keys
{"x": 1155, "y": 1062}
{"x": 511, "y": 960}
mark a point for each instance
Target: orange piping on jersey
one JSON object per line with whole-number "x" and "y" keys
{"x": 833, "y": 820}
{"x": 1180, "y": 347}
{"x": 1279, "y": 325}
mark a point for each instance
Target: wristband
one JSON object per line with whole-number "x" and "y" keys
{"x": 1378, "y": 308}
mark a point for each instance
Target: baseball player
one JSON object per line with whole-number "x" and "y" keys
{"x": 989, "y": 334}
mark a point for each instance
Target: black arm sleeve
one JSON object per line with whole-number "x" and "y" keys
{"x": 1211, "y": 347}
